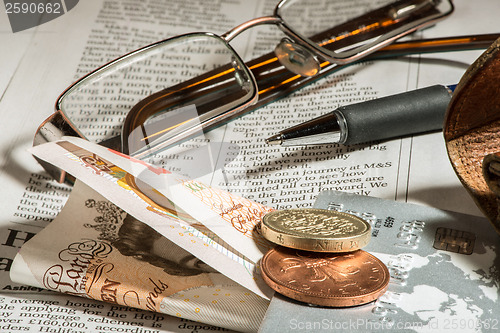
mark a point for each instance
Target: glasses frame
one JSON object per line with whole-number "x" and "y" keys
{"x": 277, "y": 19}
{"x": 59, "y": 125}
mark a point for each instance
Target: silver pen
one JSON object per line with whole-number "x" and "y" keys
{"x": 393, "y": 116}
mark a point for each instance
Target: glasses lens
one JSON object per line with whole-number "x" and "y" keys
{"x": 172, "y": 85}
{"x": 347, "y": 28}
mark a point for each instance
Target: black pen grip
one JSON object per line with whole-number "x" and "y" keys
{"x": 399, "y": 115}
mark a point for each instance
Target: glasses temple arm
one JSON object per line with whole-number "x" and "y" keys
{"x": 435, "y": 45}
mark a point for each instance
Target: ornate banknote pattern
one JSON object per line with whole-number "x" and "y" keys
{"x": 242, "y": 214}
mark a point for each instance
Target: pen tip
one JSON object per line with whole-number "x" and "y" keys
{"x": 274, "y": 140}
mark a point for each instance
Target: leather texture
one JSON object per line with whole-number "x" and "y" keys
{"x": 472, "y": 132}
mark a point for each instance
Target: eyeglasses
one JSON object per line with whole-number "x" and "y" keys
{"x": 174, "y": 89}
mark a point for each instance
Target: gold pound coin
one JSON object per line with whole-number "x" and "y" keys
{"x": 326, "y": 279}
{"x": 317, "y": 230}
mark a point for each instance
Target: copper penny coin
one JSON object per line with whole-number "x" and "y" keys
{"x": 326, "y": 279}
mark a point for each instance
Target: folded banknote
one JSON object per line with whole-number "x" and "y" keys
{"x": 138, "y": 235}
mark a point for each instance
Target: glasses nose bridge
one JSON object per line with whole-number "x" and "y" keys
{"x": 231, "y": 34}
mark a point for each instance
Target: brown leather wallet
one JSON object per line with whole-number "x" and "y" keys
{"x": 472, "y": 132}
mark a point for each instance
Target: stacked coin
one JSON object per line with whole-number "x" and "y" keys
{"x": 319, "y": 261}
{"x": 317, "y": 230}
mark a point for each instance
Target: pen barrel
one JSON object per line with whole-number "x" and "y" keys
{"x": 399, "y": 115}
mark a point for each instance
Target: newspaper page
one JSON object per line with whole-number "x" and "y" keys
{"x": 411, "y": 169}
